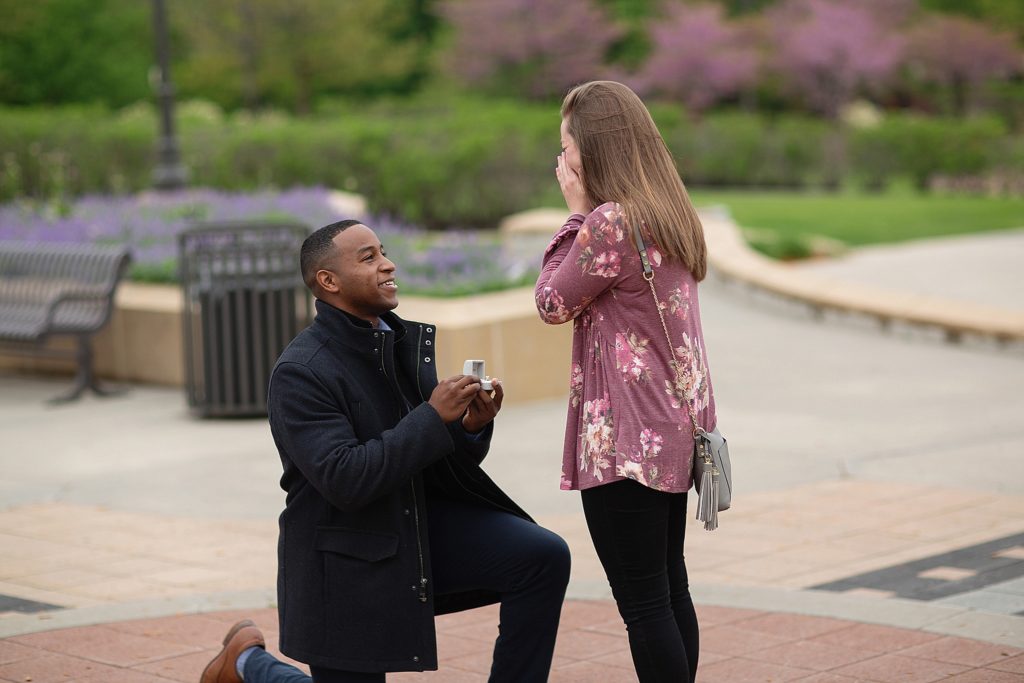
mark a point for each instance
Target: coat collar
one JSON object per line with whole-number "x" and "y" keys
{"x": 342, "y": 326}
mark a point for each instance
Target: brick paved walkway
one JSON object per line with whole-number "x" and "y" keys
{"x": 115, "y": 511}
{"x": 738, "y": 646}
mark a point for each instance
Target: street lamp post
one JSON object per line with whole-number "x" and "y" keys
{"x": 170, "y": 173}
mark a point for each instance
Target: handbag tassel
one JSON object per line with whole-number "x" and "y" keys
{"x": 707, "y": 501}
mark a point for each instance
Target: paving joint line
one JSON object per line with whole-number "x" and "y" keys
{"x": 941, "y": 619}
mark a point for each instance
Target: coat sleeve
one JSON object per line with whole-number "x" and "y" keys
{"x": 473, "y": 446}
{"x": 583, "y": 260}
{"x": 316, "y": 434}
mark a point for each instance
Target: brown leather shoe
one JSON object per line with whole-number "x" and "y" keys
{"x": 241, "y": 637}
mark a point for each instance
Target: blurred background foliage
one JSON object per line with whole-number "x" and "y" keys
{"x": 445, "y": 112}
{"x": 291, "y": 54}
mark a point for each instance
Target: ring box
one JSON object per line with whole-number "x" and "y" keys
{"x": 476, "y": 368}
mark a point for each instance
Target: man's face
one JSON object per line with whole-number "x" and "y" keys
{"x": 363, "y": 282}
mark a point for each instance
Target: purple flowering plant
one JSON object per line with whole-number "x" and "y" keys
{"x": 429, "y": 263}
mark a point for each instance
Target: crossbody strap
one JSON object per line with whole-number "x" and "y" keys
{"x": 645, "y": 261}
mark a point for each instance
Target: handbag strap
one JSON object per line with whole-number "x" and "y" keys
{"x": 676, "y": 364}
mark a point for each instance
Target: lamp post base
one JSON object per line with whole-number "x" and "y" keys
{"x": 170, "y": 177}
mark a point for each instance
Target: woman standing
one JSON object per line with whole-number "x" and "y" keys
{"x": 629, "y": 437}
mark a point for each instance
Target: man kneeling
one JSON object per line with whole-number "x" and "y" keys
{"x": 388, "y": 518}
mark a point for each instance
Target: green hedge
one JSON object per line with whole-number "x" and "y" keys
{"x": 46, "y": 153}
{"x": 467, "y": 162}
{"x": 459, "y": 165}
{"x": 917, "y": 148}
{"x": 746, "y": 150}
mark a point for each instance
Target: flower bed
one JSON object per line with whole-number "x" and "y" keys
{"x": 429, "y": 263}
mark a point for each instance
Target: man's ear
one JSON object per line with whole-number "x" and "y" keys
{"x": 328, "y": 281}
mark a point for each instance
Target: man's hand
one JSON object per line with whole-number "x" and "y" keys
{"x": 451, "y": 396}
{"x": 483, "y": 408}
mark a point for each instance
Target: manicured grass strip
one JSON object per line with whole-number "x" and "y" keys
{"x": 859, "y": 219}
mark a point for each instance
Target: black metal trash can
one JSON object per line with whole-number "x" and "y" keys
{"x": 244, "y": 301}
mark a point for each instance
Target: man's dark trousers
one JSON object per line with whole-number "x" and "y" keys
{"x": 476, "y": 547}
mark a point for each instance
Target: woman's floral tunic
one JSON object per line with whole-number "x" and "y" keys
{"x": 627, "y": 410}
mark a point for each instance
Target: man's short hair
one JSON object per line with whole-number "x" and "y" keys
{"x": 318, "y": 247}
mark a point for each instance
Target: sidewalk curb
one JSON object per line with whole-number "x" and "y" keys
{"x": 21, "y": 624}
{"x": 732, "y": 258}
{"x": 898, "y": 612}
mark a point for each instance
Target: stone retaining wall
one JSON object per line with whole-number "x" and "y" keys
{"x": 144, "y": 340}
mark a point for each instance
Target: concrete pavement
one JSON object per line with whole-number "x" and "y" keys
{"x": 880, "y": 485}
{"x": 982, "y": 269}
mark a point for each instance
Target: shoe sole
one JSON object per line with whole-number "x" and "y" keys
{"x": 227, "y": 639}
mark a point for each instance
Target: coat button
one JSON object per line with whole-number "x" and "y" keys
{"x": 427, "y": 359}
{"x": 376, "y": 334}
{"x": 415, "y": 659}
{"x": 406, "y": 511}
{"x": 430, "y": 329}
{"x": 428, "y": 342}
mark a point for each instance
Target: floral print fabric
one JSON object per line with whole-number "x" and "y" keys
{"x": 627, "y": 415}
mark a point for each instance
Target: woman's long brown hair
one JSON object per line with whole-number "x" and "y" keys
{"x": 625, "y": 160}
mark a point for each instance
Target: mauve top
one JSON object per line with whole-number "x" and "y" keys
{"x": 627, "y": 411}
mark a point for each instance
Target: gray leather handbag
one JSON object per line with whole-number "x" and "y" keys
{"x": 712, "y": 476}
{"x": 712, "y": 470}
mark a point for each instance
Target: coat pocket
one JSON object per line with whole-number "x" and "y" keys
{"x": 370, "y": 546}
{"x": 361, "y": 609}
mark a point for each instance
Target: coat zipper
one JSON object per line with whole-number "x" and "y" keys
{"x": 419, "y": 544}
{"x": 415, "y": 506}
{"x": 415, "y": 502}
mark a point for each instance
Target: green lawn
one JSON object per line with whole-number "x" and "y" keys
{"x": 779, "y": 223}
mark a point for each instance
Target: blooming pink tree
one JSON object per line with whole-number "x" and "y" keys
{"x": 826, "y": 51}
{"x": 892, "y": 13}
{"x": 538, "y": 48}
{"x": 698, "y": 57}
{"x": 962, "y": 54}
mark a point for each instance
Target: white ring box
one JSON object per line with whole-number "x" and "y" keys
{"x": 476, "y": 368}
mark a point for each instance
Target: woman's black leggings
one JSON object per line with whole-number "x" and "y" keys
{"x": 638, "y": 533}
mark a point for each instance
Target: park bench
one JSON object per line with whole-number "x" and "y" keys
{"x": 55, "y": 290}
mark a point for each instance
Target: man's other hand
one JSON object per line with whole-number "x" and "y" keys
{"x": 453, "y": 395}
{"x": 483, "y": 407}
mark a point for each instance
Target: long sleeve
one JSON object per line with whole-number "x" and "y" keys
{"x": 319, "y": 439}
{"x": 583, "y": 260}
{"x": 473, "y": 446}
